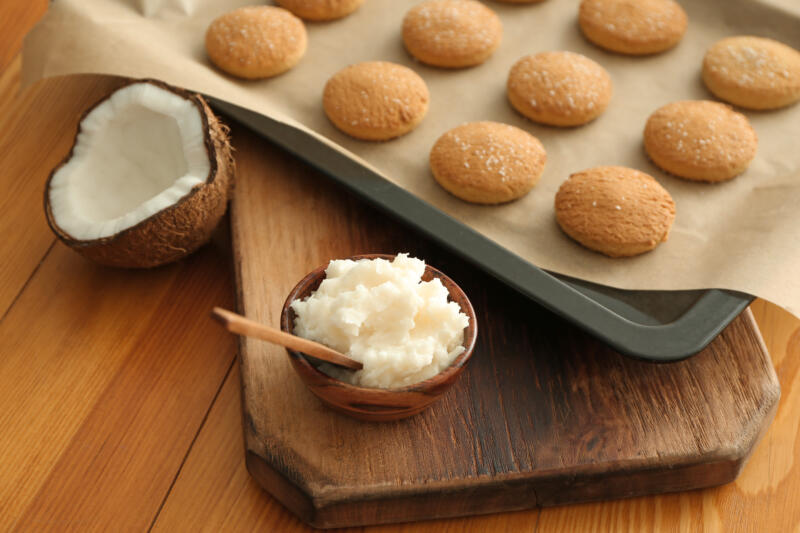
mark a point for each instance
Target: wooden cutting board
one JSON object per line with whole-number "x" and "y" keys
{"x": 543, "y": 415}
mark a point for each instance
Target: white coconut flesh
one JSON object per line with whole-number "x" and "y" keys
{"x": 137, "y": 153}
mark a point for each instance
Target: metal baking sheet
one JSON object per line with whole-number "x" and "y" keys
{"x": 654, "y": 325}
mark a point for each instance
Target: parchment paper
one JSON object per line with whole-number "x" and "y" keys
{"x": 742, "y": 235}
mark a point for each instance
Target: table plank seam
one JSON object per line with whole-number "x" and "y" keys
{"x": 27, "y": 281}
{"x": 191, "y": 444}
{"x": 765, "y": 490}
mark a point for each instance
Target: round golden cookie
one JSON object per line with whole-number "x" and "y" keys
{"x": 617, "y": 211}
{"x": 256, "y": 42}
{"x": 319, "y": 10}
{"x": 559, "y": 88}
{"x": 375, "y": 100}
{"x": 753, "y": 72}
{"x": 519, "y": 1}
{"x": 487, "y": 162}
{"x": 700, "y": 140}
{"x": 634, "y": 27}
{"x": 452, "y": 33}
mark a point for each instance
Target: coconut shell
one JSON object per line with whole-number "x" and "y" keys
{"x": 178, "y": 230}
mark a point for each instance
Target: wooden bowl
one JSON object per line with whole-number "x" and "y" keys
{"x": 369, "y": 404}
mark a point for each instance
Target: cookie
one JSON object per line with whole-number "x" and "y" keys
{"x": 319, "y": 10}
{"x": 753, "y": 72}
{"x": 451, "y": 33}
{"x": 559, "y": 88}
{"x": 634, "y": 27}
{"x": 519, "y": 1}
{"x": 617, "y": 211}
{"x": 487, "y": 162}
{"x": 256, "y": 42}
{"x": 375, "y": 100}
{"x": 700, "y": 140}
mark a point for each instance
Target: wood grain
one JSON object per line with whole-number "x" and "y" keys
{"x": 95, "y": 386}
{"x": 99, "y": 410}
{"x": 46, "y": 135}
{"x": 16, "y": 18}
{"x": 212, "y": 490}
{"x": 543, "y": 415}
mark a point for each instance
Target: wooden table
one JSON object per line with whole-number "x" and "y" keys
{"x": 121, "y": 402}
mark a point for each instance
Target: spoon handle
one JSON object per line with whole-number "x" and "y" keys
{"x": 236, "y": 323}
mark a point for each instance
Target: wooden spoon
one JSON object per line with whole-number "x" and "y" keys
{"x": 236, "y": 323}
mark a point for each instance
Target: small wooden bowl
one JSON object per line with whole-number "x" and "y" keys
{"x": 378, "y": 405}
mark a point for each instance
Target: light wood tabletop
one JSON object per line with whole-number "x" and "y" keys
{"x": 120, "y": 399}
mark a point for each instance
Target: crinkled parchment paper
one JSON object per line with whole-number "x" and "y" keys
{"x": 742, "y": 235}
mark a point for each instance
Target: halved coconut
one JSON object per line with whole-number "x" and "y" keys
{"x": 147, "y": 178}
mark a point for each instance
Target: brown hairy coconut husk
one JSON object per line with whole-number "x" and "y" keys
{"x": 147, "y": 178}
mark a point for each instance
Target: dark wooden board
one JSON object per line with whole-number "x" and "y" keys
{"x": 543, "y": 415}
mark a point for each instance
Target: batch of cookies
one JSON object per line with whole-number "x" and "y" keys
{"x": 617, "y": 211}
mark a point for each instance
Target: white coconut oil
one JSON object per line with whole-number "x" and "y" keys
{"x": 379, "y": 312}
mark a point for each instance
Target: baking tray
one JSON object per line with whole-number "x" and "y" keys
{"x": 653, "y": 325}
